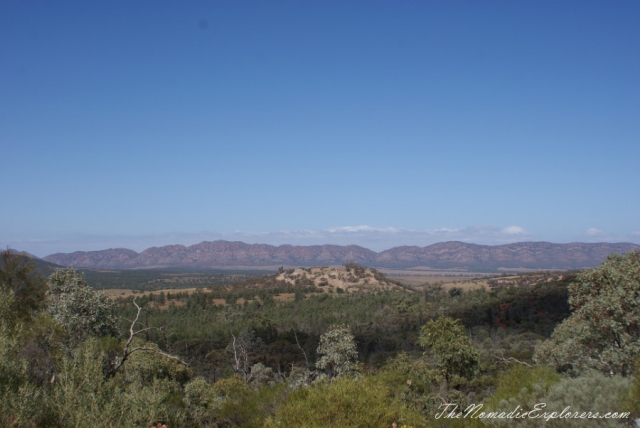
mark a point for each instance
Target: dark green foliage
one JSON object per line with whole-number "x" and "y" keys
{"x": 383, "y": 323}
{"x": 455, "y": 292}
{"x": 535, "y": 308}
{"x": 158, "y": 279}
{"x": 18, "y": 274}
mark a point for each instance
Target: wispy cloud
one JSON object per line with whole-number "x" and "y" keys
{"x": 515, "y": 230}
{"x": 382, "y": 238}
{"x": 598, "y": 235}
{"x": 595, "y": 232}
{"x": 355, "y": 229}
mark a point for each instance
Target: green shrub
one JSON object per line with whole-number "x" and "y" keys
{"x": 519, "y": 377}
{"x": 363, "y": 402}
{"x": 591, "y": 392}
{"x": 631, "y": 402}
{"x": 239, "y": 405}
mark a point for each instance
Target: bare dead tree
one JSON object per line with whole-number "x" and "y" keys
{"x": 306, "y": 360}
{"x": 242, "y": 349}
{"x": 128, "y": 350}
{"x": 502, "y": 360}
{"x": 236, "y": 358}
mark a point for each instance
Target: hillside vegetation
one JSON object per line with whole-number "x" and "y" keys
{"x": 372, "y": 354}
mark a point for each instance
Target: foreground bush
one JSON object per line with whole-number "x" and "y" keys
{"x": 603, "y": 332}
{"x": 364, "y": 402}
{"x": 529, "y": 387}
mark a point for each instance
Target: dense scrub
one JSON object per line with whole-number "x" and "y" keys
{"x": 158, "y": 279}
{"x": 384, "y": 323}
{"x": 242, "y": 356}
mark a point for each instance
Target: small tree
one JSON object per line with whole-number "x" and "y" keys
{"x": 339, "y": 352}
{"x": 451, "y": 347}
{"x": 78, "y": 308}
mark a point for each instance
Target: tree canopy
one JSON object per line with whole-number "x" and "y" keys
{"x": 339, "y": 352}
{"x": 78, "y": 308}
{"x": 451, "y": 347}
{"x": 603, "y": 331}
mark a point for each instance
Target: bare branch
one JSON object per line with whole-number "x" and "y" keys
{"x": 306, "y": 360}
{"x": 133, "y": 323}
{"x": 235, "y": 354}
{"x": 132, "y": 333}
{"x": 502, "y": 360}
{"x": 157, "y": 351}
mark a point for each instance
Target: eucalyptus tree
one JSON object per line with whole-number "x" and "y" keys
{"x": 603, "y": 331}
{"x": 454, "y": 353}
{"x": 78, "y": 308}
{"x": 339, "y": 353}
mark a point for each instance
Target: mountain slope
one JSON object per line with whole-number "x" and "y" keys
{"x": 531, "y": 255}
{"x": 445, "y": 255}
{"x": 42, "y": 266}
{"x": 217, "y": 254}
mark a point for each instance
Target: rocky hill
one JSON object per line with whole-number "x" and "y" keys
{"x": 217, "y": 254}
{"x": 530, "y": 255}
{"x": 445, "y": 255}
{"x": 350, "y": 278}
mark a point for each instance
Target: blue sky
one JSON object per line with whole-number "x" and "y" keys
{"x": 131, "y": 124}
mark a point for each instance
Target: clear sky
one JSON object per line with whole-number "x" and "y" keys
{"x": 132, "y": 123}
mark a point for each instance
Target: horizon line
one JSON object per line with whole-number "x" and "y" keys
{"x": 338, "y": 245}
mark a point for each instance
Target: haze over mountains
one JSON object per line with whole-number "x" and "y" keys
{"x": 445, "y": 255}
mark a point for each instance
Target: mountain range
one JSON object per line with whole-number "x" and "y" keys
{"x": 444, "y": 255}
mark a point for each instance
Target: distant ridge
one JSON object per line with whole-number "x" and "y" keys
{"x": 42, "y": 266}
{"x": 444, "y": 255}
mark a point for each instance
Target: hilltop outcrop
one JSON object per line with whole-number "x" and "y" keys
{"x": 350, "y": 278}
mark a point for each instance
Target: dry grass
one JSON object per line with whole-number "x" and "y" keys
{"x": 284, "y": 297}
{"x": 421, "y": 276}
{"x": 114, "y": 293}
